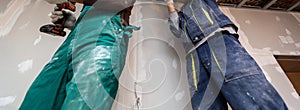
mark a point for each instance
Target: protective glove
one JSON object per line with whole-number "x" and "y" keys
{"x": 64, "y": 14}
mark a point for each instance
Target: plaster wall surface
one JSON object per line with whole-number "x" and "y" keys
{"x": 154, "y": 69}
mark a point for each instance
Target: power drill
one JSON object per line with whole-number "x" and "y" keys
{"x": 57, "y": 28}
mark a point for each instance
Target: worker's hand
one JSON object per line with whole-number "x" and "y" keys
{"x": 56, "y": 15}
{"x": 70, "y": 19}
{"x": 66, "y": 14}
{"x": 171, "y": 7}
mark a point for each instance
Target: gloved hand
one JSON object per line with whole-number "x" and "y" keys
{"x": 66, "y": 14}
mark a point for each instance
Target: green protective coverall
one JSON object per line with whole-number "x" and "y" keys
{"x": 83, "y": 73}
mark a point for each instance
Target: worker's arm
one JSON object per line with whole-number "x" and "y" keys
{"x": 173, "y": 19}
{"x": 171, "y": 7}
{"x": 65, "y": 11}
{"x": 172, "y": 11}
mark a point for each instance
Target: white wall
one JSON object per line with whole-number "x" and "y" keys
{"x": 24, "y": 50}
{"x": 267, "y": 33}
{"x": 155, "y": 62}
{"x": 154, "y": 55}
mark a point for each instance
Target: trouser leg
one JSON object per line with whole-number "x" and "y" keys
{"x": 245, "y": 86}
{"x": 97, "y": 62}
{"x": 218, "y": 104}
{"x": 47, "y": 92}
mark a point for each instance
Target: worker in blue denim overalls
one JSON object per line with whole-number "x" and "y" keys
{"x": 219, "y": 68}
{"x": 83, "y": 73}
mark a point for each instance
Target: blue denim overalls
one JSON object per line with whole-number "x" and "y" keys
{"x": 220, "y": 70}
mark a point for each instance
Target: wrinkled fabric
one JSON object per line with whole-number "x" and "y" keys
{"x": 83, "y": 73}
{"x": 225, "y": 72}
{"x": 245, "y": 86}
{"x": 207, "y": 16}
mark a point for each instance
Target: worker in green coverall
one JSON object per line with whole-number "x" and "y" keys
{"x": 83, "y": 73}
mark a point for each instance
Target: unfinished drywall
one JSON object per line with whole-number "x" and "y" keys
{"x": 24, "y": 52}
{"x": 155, "y": 76}
{"x": 264, "y": 34}
{"x": 273, "y": 31}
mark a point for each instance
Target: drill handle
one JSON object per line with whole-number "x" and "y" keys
{"x": 59, "y": 7}
{"x": 67, "y": 5}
